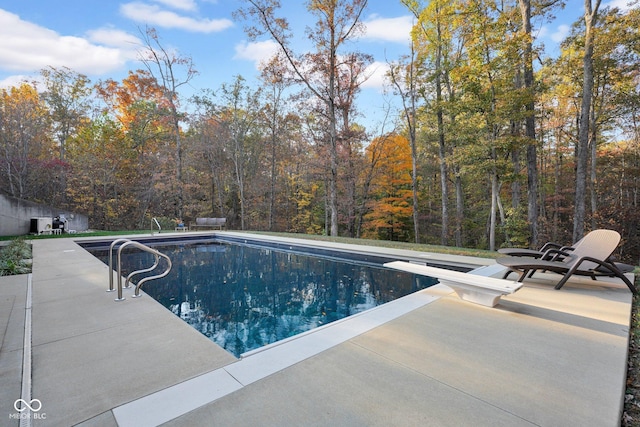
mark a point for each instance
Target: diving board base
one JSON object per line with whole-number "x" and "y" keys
{"x": 473, "y": 294}
{"x": 481, "y": 290}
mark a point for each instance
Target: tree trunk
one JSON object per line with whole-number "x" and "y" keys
{"x": 582, "y": 149}
{"x": 459, "y": 211}
{"x": 272, "y": 188}
{"x": 414, "y": 153}
{"x": 494, "y": 208}
{"x": 593, "y": 179}
{"x": 444, "y": 238}
{"x": 530, "y": 126}
{"x": 179, "y": 190}
{"x": 515, "y": 164}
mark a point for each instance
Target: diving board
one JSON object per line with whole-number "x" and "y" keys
{"x": 470, "y": 287}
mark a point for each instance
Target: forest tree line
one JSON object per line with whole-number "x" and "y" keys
{"x": 496, "y": 143}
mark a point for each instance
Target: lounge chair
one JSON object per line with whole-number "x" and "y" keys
{"x": 554, "y": 251}
{"x": 534, "y": 253}
{"x": 589, "y": 257}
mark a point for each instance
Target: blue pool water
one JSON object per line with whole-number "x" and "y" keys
{"x": 244, "y": 297}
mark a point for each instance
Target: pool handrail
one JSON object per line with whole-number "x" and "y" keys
{"x": 115, "y": 242}
{"x": 127, "y": 280}
{"x": 127, "y": 242}
{"x": 158, "y": 276}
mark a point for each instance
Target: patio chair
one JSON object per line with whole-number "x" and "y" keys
{"x": 535, "y": 253}
{"x": 553, "y": 251}
{"x": 589, "y": 257}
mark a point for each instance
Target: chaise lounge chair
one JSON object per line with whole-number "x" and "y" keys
{"x": 549, "y": 246}
{"x": 553, "y": 251}
{"x": 589, "y": 257}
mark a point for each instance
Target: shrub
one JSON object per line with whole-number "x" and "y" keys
{"x": 15, "y": 258}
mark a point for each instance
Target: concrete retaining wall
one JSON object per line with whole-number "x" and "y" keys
{"x": 16, "y": 214}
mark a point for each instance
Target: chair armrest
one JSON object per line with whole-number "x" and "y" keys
{"x": 554, "y": 255}
{"x": 550, "y": 245}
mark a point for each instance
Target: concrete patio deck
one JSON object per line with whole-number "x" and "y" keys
{"x": 540, "y": 357}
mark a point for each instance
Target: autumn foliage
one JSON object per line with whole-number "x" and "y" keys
{"x": 269, "y": 156}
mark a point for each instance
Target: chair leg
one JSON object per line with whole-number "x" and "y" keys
{"x": 520, "y": 279}
{"x": 628, "y": 283}
{"x": 566, "y": 276}
{"x": 613, "y": 268}
{"x": 624, "y": 278}
{"x": 563, "y": 281}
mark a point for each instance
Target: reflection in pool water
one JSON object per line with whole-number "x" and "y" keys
{"x": 245, "y": 297}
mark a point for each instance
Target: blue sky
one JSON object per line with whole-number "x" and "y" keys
{"x": 101, "y": 38}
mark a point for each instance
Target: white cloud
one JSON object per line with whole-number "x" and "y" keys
{"x": 27, "y": 47}
{"x": 116, "y": 38}
{"x": 377, "y": 76}
{"x": 18, "y": 79}
{"x": 396, "y": 30}
{"x": 542, "y": 32}
{"x": 623, "y": 5}
{"x": 188, "y": 5}
{"x": 257, "y": 51}
{"x": 154, "y": 15}
{"x": 560, "y": 34}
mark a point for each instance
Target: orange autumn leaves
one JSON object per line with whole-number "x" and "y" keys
{"x": 390, "y": 210}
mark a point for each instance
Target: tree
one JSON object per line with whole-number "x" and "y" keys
{"x": 136, "y": 104}
{"x": 66, "y": 93}
{"x": 67, "y": 96}
{"x": 530, "y": 123}
{"x": 486, "y": 79}
{"x": 164, "y": 66}
{"x": 213, "y": 175}
{"x": 390, "y": 208}
{"x": 276, "y": 82}
{"x": 338, "y": 21}
{"x": 350, "y": 135}
{"x": 405, "y": 82}
{"x": 239, "y": 117}
{"x": 582, "y": 149}
{"x": 24, "y": 127}
{"x": 433, "y": 36}
{"x": 104, "y": 170}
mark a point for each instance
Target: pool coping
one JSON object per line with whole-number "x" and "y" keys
{"x": 64, "y": 349}
{"x": 172, "y": 402}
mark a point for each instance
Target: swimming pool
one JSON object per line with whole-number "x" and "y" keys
{"x": 245, "y": 296}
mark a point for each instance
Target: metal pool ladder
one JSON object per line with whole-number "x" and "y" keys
{"x": 127, "y": 242}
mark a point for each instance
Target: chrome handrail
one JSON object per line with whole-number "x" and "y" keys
{"x": 127, "y": 242}
{"x": 157, "y": 223}
{"x": 111, "y": 289}
{"x": 146, "y": 279}
{"x": 145, "y": 270}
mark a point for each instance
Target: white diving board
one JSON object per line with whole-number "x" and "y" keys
{"x": 470, "y": 287}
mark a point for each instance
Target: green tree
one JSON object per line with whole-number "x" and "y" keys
{"x": 337, "y": 22}
{"x": 582, "y": 149}
{"x": 67, "y": 95}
